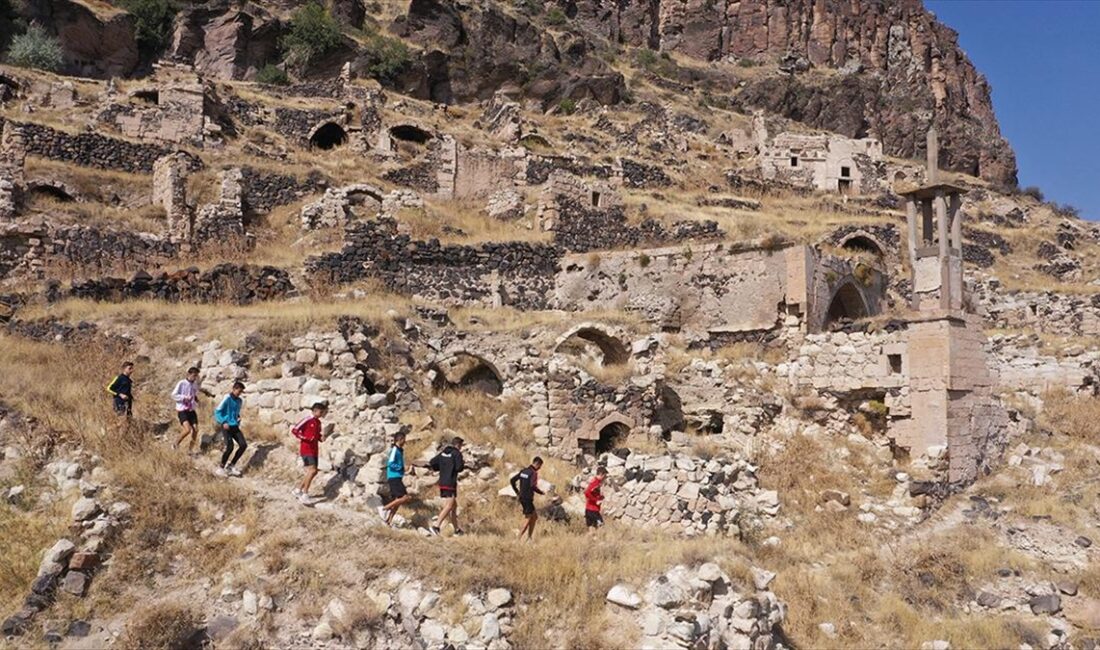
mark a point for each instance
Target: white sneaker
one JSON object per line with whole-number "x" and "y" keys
{"x": 220, "y": 472}
{"x": 297, "y": 492}
{"x": 305, "y": 499}
{"x": 233, "y": 471}
{"x": 382, "y": 512}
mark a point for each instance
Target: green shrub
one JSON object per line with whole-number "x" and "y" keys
{"x": 36, "y": 49}
{"x": 567, "y": 106}
{"x": 555, "y": 16}
{"x": 152, "y": 22}
{"x": 644, "y": 260}
{"x": 313, "y": 33}
{"x": 646, "y": 58}
{"x": 747, "y": 63}
{"x": 272, "y": 75}
{"x": 386, "y": 57}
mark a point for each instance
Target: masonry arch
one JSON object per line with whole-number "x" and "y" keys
{"x": 847, "y": 303}
{"x": 328, "y": 135}
{"x": 606, "y": 435}
{"x": 54, "y": 190}
{"x": 863, "y": 242}
{"x": 410, "y": 133}
{"x": 613, "y": 351}
{"x": 468, "y": 371}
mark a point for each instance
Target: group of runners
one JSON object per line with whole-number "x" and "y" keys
{"x": 309, "y": 431}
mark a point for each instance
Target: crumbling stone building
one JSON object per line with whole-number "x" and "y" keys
{"x": 823, "y": 161}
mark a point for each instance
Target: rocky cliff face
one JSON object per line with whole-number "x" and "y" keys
{"x": 901, "y": 68}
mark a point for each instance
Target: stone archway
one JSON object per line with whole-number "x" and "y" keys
{"x": 328, "y": 136}
{"x": 605, "y": 435}
{"x": 863, "y": 242}
{"x": 613, "y": 351}
{"x": 847, "y": 303}
{"x": 464, "y": 370}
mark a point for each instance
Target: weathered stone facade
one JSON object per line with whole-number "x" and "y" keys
{"x": 823, "y": 161}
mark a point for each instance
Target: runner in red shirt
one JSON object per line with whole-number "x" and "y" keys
{"x": 592, "y": 498}
{"x": 309, "y": 432}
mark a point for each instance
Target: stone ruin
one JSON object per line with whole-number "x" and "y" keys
{"x": 823, "y": 161}
{"x": 176, "y": 108}
{"x": 222, "y": 220}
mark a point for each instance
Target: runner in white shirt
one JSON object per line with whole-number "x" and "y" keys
{"x": 186, "y": 397}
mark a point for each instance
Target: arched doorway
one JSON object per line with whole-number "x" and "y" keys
{"x": 611, "y": 437}
{"x": 328, "y": 136}
{"x": 847, "y": 305}
{"x": 410, "y": 133}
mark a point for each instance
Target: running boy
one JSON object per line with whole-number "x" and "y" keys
{"x": 122, "y": 389}
{"x": 228, "y": 415}
{"x": 448, "y": 463}
{"x": 186, "y": 397}
{"x": 526, "y": 485}
{"x": 395, "y": 475}
{"x": 592, "y": 498}
{"x": 309, "y": 432}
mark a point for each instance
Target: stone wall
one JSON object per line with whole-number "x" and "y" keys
{"x": 264, "y": 190}
{"x": 229, "y": 283}
{"x": 95, "y": 150}
{"x": 514, "y": 273}
{"x": 1022, "y": 366}
{"x": 31, "y": 247}
{"x": 1050, "y": 312}
{"x": 580, "y": 229}
{"x": 340, "y": 206}
{"x": 685, "y": 493}
{"x": 708, "y": 290}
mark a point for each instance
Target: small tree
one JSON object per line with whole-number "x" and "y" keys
{"x": 313, "y": 33}
{"x": 272, "y": 75}
{"x": 36, "y": 49}
{"x": 387, "y": 56}
{"x": 152, "y": 22}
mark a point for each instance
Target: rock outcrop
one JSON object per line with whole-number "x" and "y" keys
{"x": 96, "y": 42}
{"x": 901, "y": 68}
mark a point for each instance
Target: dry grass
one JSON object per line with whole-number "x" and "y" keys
{"x": 162, "y": 625}
{"x": 464, "y": 222}
{"x": 24, "y": 535}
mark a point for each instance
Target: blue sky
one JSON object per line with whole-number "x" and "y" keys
{"x": 1042, "y": 58}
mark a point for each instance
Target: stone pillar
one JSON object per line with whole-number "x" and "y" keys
{"x": 447, "y": 173}
{"x": 170, "y": 192}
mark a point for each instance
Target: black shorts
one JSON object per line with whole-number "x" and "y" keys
{"x": 448, "y": 491}
{"x": 528, "y": 506}
{"x": 188, "y": 416}
{"x": 397, "y": 488}
{"x": 309, "y": 461}
{"x": 593, "y": 519}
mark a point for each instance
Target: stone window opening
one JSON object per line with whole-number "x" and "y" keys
{"x": 595, "y": 199}
{"x": 410, "y": 133}
{"x": 845, "y": 172}
{"x": 611, "y": 437}
{"x": 861, "y": 244}
{"x": 794, "y": 161}
{"x": 148, "y": 96}
{"x": 611, "y": 350}
{"x": 329, "y": 136}
{"x": 894, "y": 361}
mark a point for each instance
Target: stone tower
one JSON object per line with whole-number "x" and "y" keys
{"x": 950, "y": 386}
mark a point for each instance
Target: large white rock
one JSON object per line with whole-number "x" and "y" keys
{"x": 490, "y": 627}
{"x": 85, "y": 509}
{"x": 624, "y": 596}
{"x": 499, "y": 598}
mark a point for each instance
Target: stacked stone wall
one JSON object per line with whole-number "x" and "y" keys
{"x": 685, "y": 493}
{"x": 264, "y": 191}
{"x": 517, "y": 274}
{"x": 95, "y": 150}
{"x": 580, "y": 229}
{"x": 230, "y": 283}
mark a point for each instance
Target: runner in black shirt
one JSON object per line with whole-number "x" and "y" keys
{"x": 526, "y": 486}
{"x": 449, "y": 463}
